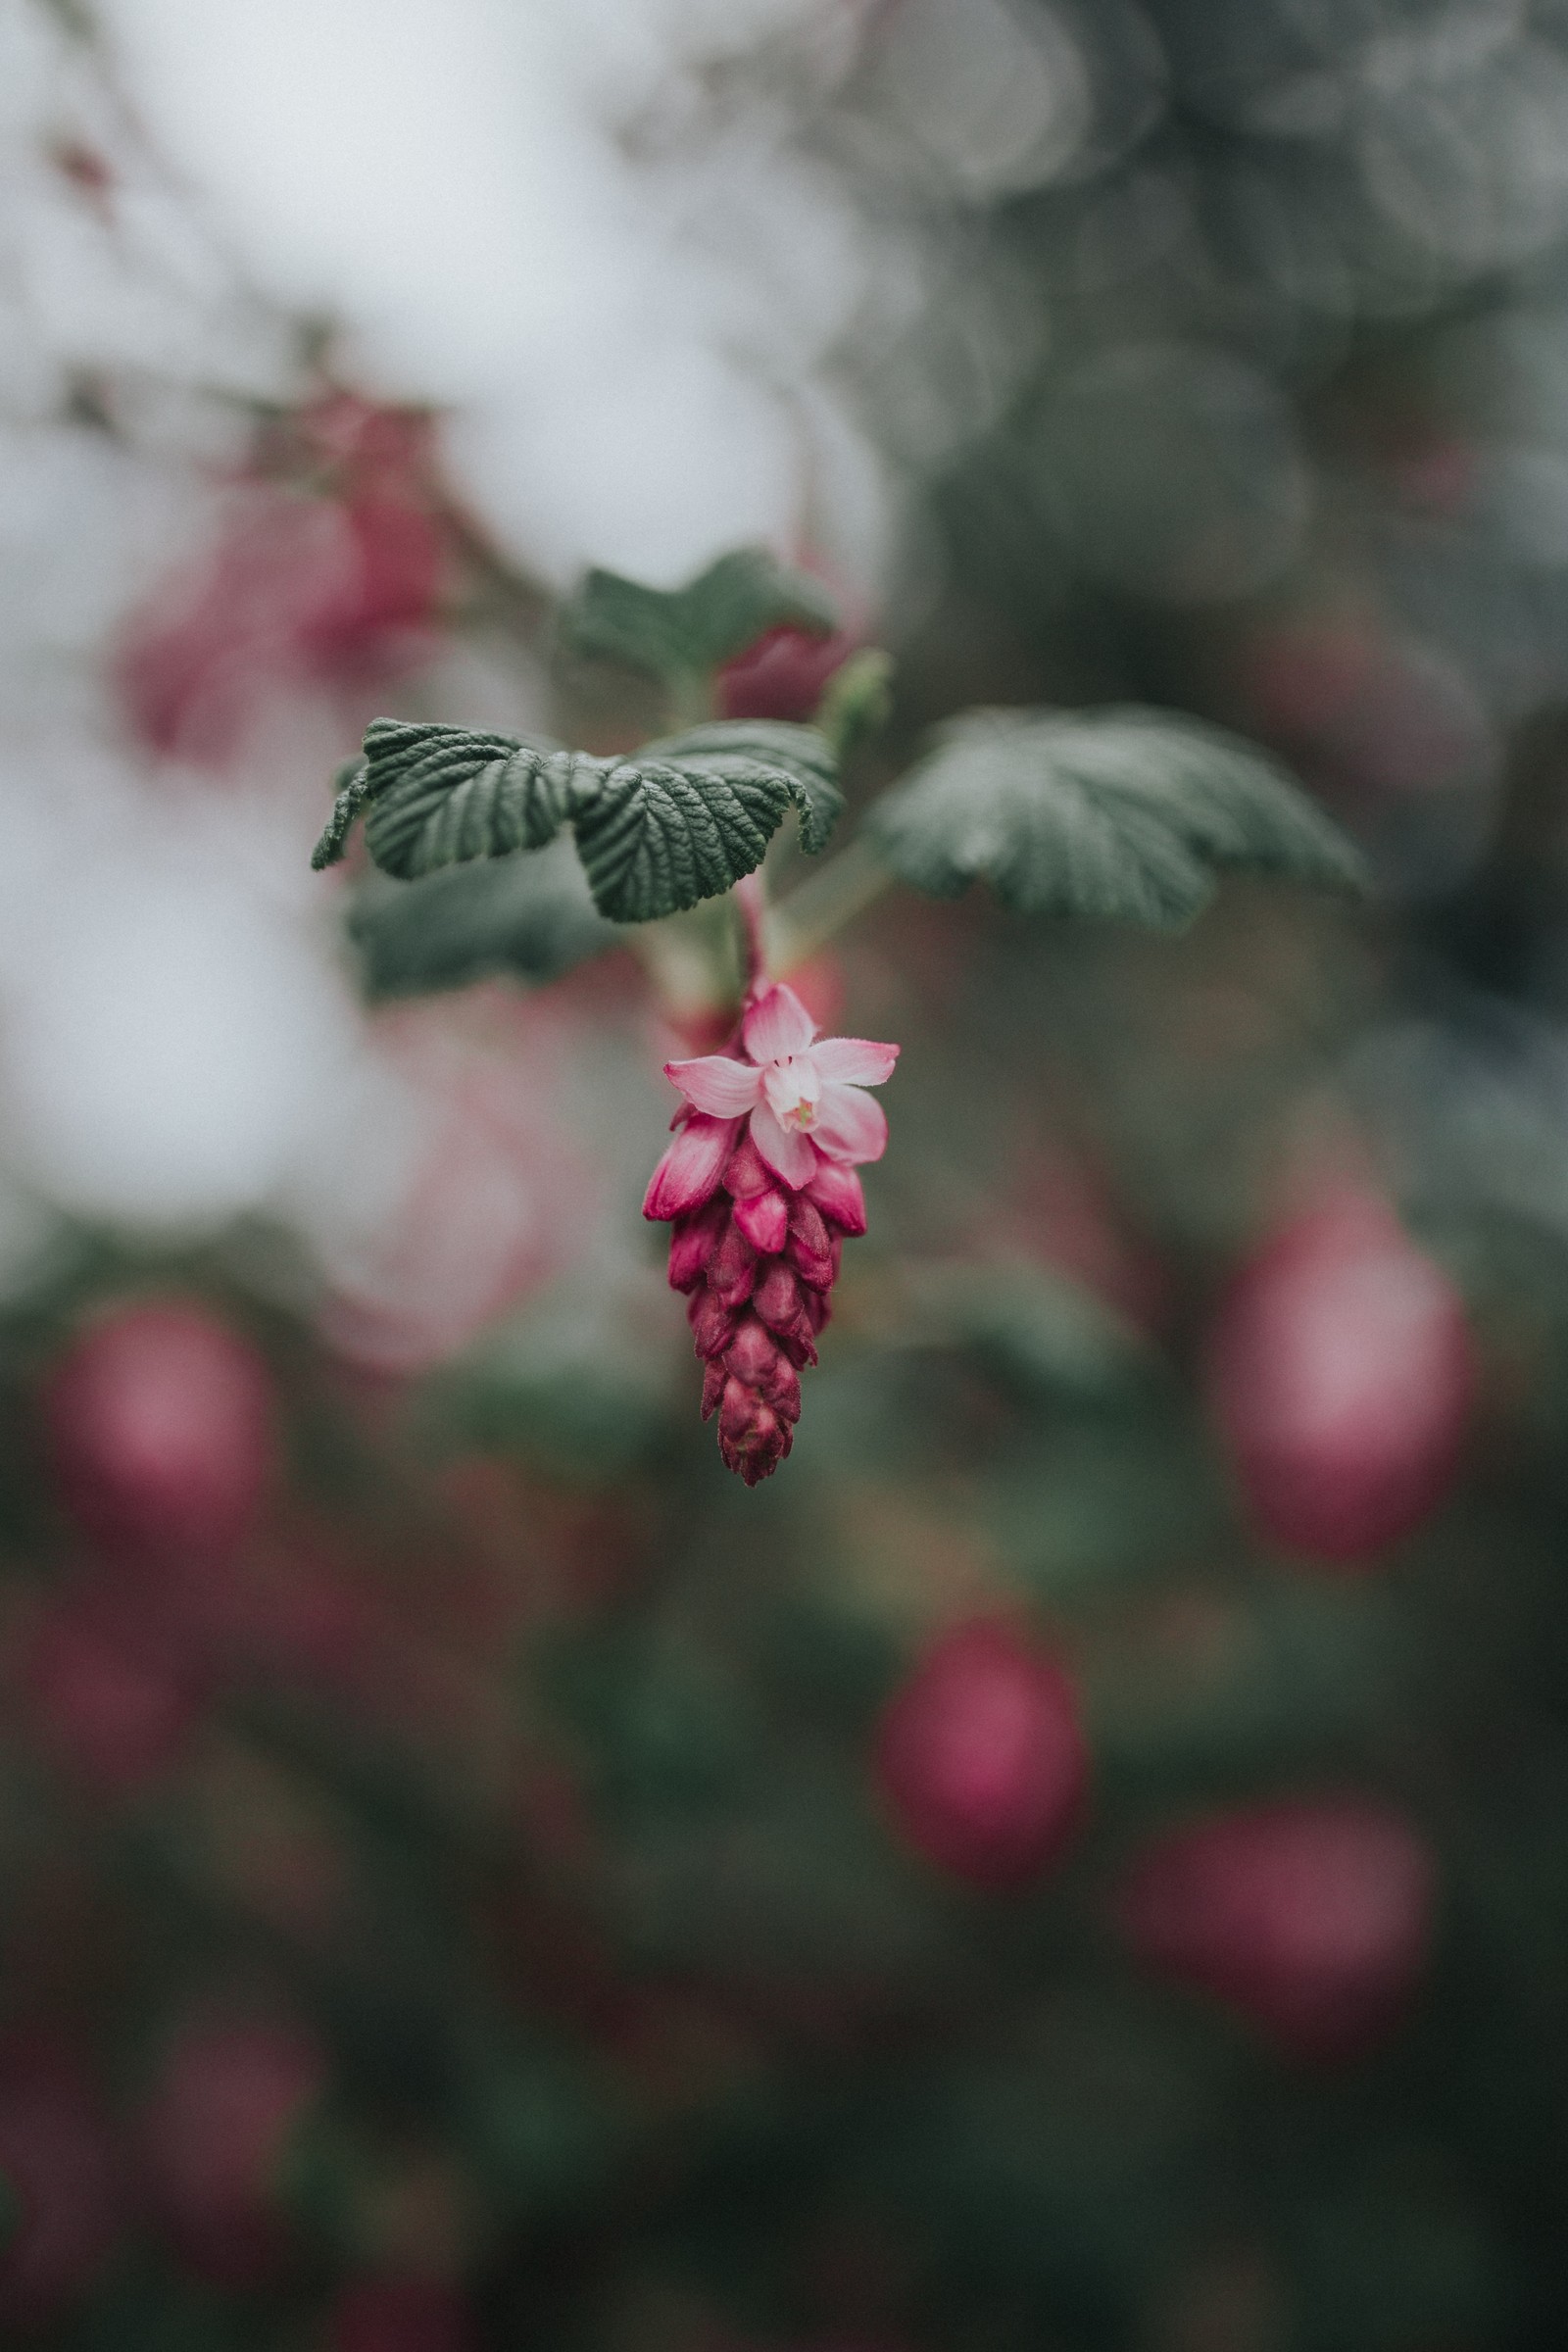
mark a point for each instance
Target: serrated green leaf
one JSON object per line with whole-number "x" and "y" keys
{"x": 661, "y": 837}
{"x": 528, "y": 916}
{"x": 1126, "y": 814}
{"x": 350, "y": 787}
{"x": 440, "y": 795}
{"x": 678, "y": 821}
{"x": 802, "y": 755}
{"x": 675, "y": 632}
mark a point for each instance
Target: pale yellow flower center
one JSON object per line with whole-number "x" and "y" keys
{"x": 793, "y": 1090}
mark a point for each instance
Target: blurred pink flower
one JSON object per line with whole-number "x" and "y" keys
{"x": 1311, "y": 1916}
{"x": 981, "y": 1757}
{"x": 1340, "y": 1373}
{"x": 159, "y": 1421}
{"x": 214, "y": 2137}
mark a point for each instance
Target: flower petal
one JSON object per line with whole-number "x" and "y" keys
{"x": 690, "y": 1170}
{"x": 716, "y": 1084}
{"x": 777, "y": 1025}
{"x": 836, "y": 1191}
{"x": 786, "y": 1152}
{"x": 854, "y": 1060}
{"x": 850, "y": 1125}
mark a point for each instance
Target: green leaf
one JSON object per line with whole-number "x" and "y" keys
{"x": 440, "y": 795}
{"x": 674, "y": 633}
{"x": 664, "y": 835}
{"x": 528, "y": 916}
{"x": 802, "y": 755}
{"x": 857, "y": 702}
{"x": 1127, "y": 814}
{"x": 352, "y": 787}
{"x": 680, "y": 821}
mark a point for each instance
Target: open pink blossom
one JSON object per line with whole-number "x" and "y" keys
{"x": 804, "y": 1095}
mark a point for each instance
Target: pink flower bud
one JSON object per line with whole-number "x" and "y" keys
{"x": 809, "y": 1250}
{"x": 746, "y": 1172}
{"x": 840, "y": 1195}
{"x": 690, "y": 1170}
{"x": 763, "y": 1218}
{"x": 695, "y": 1237}
{"x": 733, "y": 1269}
{"x": 755, "y": 1357}
{"x": 215, "y": 2138}
{"x": 712, "y": 1325}
{"x": 783, "y": 676}
{"x": 777, "y": 1298}
{"x": 751, "y": 1438}
{"x": 753, "y": 1353}
{"x": 1312, "y": 1916}
{"x": 981, "y": 1758}
{"x": 160, "y": 1422}
{"x": 1340, "y": 1373}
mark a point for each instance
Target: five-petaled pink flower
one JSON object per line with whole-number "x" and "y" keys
{"x": 805, "y": 1098}
{"x": 760, "y": 1188}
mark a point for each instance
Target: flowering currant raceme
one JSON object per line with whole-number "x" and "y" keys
{"x": 760, "y": 1186}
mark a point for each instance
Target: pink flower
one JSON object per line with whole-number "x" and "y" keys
{"x": 761, "y": 1213}
{"x": 803, "y": 1097}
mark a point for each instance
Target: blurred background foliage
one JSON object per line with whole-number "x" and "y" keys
{"x": 1077, "y": 1860}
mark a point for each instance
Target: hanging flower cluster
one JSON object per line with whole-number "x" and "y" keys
{"x": 760, "y": 1188}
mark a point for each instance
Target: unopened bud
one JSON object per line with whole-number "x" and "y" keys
{"x": 713, "y": 1326}
{"x": 746, "y": 1173}
{"x": 751, "y": 1438}
{"x": 777, "y": 1298}
{"x": 763, "y": 1218}
{"x": 733, "y": 1269}
{"x": 692, "y": 1243}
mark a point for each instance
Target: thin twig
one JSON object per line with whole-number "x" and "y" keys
{"x": 811, "y": 915}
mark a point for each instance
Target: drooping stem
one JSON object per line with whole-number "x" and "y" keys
{"x": 690, "y": 694}
{"x": 810, "y": 916}
{"x": 750, "y": 905}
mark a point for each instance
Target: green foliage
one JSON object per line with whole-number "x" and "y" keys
{"x": 679, "y": 632}
{"x": 531, "y": 918}
{"x": 1125, "y": 812}
{"x": 536, "y": 2119}
{"x": 802, "y": 755}
{"x": 562, "y": 1389}
{"x": 678, "y": 821}
{"x": 1044, "y": 1333}
{"x": 859, "y": 700}
{"x": 439, "y": 796}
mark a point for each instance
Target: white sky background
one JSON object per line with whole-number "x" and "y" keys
{"x": 628, "y": 344}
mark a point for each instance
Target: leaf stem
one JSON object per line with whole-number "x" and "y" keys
{"x": 751, "y": 907}
{"x": 811, "y": 915}
{"x": 691, "y": 699}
